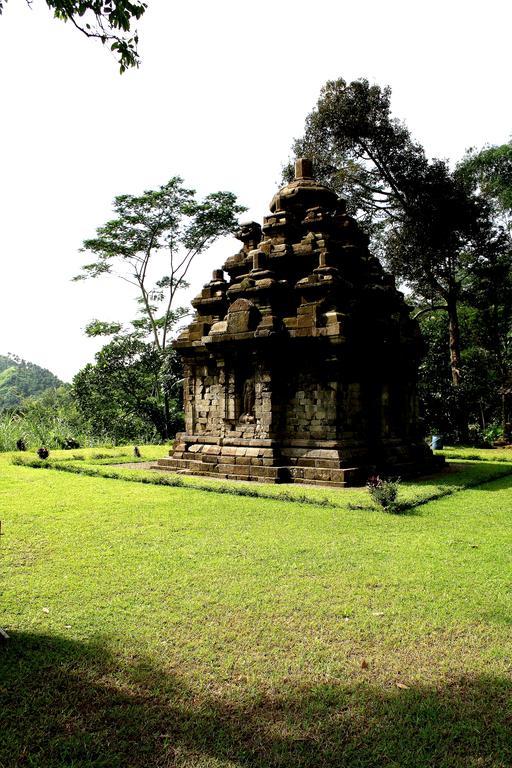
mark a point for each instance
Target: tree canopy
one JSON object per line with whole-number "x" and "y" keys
{"x": 120, "y": 395}
{"x": 422, "y": 218}
{"x": 490, "y": 170}
{"x": 170, "y": 223}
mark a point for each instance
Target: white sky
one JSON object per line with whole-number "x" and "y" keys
{"x": 222, "y": 90}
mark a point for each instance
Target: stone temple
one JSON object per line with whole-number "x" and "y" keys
{"x": 301, "y": 361}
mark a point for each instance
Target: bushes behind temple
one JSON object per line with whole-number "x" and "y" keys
{"x": 53, "y": 419}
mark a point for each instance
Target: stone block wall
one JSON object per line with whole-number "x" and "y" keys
{"x": 311, "y": 409}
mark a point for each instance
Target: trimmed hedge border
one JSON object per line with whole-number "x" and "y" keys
{"x": 243, "y": 490}
{"x": 173, "y": 481}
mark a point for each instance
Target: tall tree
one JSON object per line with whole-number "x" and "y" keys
{"x": 362, "y": 152}
{"x": 150, "y": 245}
{"x": 421, "y": 218}
{"x": 488, "y": 172}
{"x": 169, "y": 223}
{"x": 439, "y": 237}
{"x": 109, "y": 21}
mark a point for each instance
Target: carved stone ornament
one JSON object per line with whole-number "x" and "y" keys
{"x": 248, "y": 398}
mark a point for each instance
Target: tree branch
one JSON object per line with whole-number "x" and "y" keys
{"x": 426, "y": 310}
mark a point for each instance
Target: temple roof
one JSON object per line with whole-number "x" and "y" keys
{"x": 304, "y": 191}
{"x": 306, "y": 273}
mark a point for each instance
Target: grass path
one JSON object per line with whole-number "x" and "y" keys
{"x": 155, "y": 626}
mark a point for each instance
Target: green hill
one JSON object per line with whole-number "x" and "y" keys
{"x": 20, "y": 379}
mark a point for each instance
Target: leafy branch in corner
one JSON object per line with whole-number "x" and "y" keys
{"x": 109, "y": 21}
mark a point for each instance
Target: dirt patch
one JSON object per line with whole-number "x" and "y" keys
{"x": 135, "y": 465}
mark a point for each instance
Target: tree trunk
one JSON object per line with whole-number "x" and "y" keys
{"x": 454, "y": 341}
{"x": 482, "y": 414}
{"x": 505, "y": 377}
{"x": 167, "y": 418}
{"x": 455, "y": 366}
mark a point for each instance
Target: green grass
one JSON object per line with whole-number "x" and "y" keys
{"x": 109, "y": 463}
{"x": 477, "y": 454}
{"x": 169, "y": 626}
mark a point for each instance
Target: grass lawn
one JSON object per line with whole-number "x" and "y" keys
{"x": 171, "y": 626}
{"x": 478, "y": 454}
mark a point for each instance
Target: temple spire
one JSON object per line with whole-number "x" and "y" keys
{"x": 303, "y": 168}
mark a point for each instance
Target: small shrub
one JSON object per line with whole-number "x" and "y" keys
{"x": 493, "y": 432}
{"x": 43, "y": 452}
{"x": 384, "y": 492}
{"x": 70, "y": 444}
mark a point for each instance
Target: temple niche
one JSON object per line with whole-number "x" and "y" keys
{"x": 301, "y": 361}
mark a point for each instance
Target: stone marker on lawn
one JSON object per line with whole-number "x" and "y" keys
{"x": 301, "y": 366}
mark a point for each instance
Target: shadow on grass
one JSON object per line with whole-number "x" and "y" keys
{"x": 460, "y": 476}
{"x": 74, "y": 705}
{"x": 498, "y": 482}
{"x": 458, "y": 471}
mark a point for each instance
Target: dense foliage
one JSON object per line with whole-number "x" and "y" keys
{"x": 51, "y": 418}
{"x": 478, "y": 393}
{"x": 490, "y": 169}
{"x": 122, "y": 395}
{"x": 20, "y": 379}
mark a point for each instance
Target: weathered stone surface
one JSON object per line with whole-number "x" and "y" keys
{"x": 302, "y": 366}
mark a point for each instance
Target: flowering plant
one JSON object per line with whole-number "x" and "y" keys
{"x": 383, "y": 492}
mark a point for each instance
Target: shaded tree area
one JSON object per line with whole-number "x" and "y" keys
{"x": 84, "y": 707}
{"x": 479, "y": 395}
{"x": 443, "y": 232}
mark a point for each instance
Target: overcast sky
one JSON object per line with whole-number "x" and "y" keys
{"x": 222, "y": 90}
